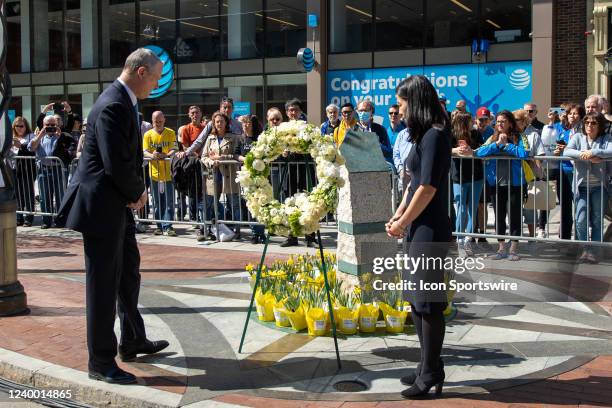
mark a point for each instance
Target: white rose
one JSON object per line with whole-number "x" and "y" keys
{"x": 259, "y": 165}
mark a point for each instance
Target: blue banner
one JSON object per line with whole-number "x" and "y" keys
{"x": 241, "y": 108}
{"x": 498, "y": 86}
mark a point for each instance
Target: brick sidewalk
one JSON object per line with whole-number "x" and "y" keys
{"x": 54, "y": 331}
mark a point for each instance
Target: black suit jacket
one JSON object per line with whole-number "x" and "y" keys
{"x": 109, "y": 173}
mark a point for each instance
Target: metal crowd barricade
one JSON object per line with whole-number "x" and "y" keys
{"x": 46, "y": 178}
{"x": 551, "y": 169}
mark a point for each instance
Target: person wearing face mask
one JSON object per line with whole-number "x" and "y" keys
{"x": 365, "y": 123}
{"x": 329, "y": 126}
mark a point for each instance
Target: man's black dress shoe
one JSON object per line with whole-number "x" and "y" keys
{"x": 113, "y": 376}
{"x": 128, "y": 353}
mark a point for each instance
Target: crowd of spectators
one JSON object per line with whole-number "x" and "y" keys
{"x": 182, "y": 190}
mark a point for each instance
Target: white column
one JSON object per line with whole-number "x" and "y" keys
{"x": 241, "y": 33}
{"x": 25, "y": 35}
{"x": 89, "y": 30}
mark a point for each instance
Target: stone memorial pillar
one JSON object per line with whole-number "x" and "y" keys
{"x": 364, "y": 207}
{"x": 12, "y": 296}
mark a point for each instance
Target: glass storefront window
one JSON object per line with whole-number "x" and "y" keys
{"x": 118, "y": 31}
{"x": 198, "y": 38}
{"x": 451, "y": 23}
{"x": 285, "y": 27}
{"x": 281, "y": 88}
{"x": 242, "y": 27}
{"x": 247, "y": 93}
{"x": 203, "y": 92}
{"x": 13, "y": 26}
{"x": 21, "y": 103}
{"x": 81, "y": 23}
{"x": 167, "y": 104}
{"x": 351, "y": 28}
{"x": 48, "y": 39}
{"x": 158, "y": 24}
{"x": 504, "y": 21}
{"x": 399, "y": 24}
{"x": 82, "y": 97}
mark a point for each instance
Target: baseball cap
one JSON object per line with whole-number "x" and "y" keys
{"x": 483, "y": 112}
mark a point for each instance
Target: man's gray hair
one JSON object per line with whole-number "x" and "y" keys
{"x": 332, "y": 106}
{"x": 599, "y": 99}
{"x": 142, "y": 57}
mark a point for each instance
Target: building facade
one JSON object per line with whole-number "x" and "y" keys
{"x": 485, "y": 51}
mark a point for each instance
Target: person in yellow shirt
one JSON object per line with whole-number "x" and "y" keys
{"x": 348, "y": 122}
{"x": 158, "y": 145}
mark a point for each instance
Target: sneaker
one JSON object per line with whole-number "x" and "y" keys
{"x": 211, "y": 236}
{"x": 27, "y": 223}
{"x": 255, "y": 239}
{"x": 45, "y": 226}
{"x": 157, "y": 232}
{"x": 141, "y": 228}
{"x": 200, "y": 236}
{"x": 541, "y": 233}
{"x": 20, "y": 223}
{"x": 468, "y": 247}
{"x": 171, "y": 232}
{"x": 237, "y": 237}
{"x": 311, "y": 243}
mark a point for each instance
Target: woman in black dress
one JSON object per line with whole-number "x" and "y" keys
{"x": 423, "y": 214}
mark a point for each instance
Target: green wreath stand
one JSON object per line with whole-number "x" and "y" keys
{"x": 327, "y": 291}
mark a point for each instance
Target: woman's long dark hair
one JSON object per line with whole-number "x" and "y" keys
{"x": 462, "y": 129}
{"x": 256, "y": 126}
{"x": 599, "y": 118}
{"x": 424, "y": 110}
{"x": 513, "y": 132}
{"x": 213, "y": 131}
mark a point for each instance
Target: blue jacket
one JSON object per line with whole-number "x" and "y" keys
{"x": 510, "y": 149}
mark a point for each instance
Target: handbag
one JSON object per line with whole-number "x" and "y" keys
{"x": 225, "y": 233}
{"x": 537, "y": 192}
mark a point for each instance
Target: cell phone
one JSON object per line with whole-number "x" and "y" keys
{"x": 561, "y": 142}
{"x": 159, "y": 149}
{"x": 50, "y": 129}
{"x": 58, "y": 107}
{"x": 557, "y": 110}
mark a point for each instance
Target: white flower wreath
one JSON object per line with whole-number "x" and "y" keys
{"x": 301, "y": 213}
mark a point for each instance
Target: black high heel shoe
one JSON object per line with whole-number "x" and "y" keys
{"x": 423, "y": 383}
{"x": 409, "y": 379}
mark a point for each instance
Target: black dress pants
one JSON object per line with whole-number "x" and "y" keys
{"x": 112, "y": 284}
{"x": 508, "y": 200}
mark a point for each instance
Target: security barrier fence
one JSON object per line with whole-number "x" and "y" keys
{"x": 564, "y": 200}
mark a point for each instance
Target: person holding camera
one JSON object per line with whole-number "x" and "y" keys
{"x": 50, "y": 144}
{"x": 60, "y": 110}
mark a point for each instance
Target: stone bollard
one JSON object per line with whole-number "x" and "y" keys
{"x": 364, "y": 207}
{"x": 12, "y": 296}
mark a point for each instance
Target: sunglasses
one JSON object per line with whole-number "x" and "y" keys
{"x": 346, "y": 112}
{"x": 590, "y": 123}
{"x": 530, "y": 110}
{"x": 19, "y": 126}
{"x": 393, "y": 113}
{"x": 275, "y": 119}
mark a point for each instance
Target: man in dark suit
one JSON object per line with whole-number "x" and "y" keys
{"x": 107, "y": 186}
